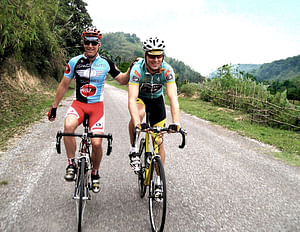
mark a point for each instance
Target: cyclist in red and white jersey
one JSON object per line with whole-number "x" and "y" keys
{"x": 89, "y": 71}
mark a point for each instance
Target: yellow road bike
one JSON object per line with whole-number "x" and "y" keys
{"x": 152, "y": 173}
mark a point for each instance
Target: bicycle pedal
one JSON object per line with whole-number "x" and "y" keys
{"x": 96, "y": 189}
{"x": 137, "y": 172}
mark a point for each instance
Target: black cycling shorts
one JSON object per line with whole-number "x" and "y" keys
{"x": 156, "y": 109}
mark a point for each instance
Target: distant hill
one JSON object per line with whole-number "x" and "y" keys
{"x": 123, "y": 47}
{"x": 246, "y": 68}
{"x": 284, "y": 69}
{"x": 119, "y": 44}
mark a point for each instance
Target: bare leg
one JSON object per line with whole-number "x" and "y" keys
{"x": 71, "y": 123}
{"x": 96, "y": 152}
{"x": 162, "y": 151}
{"x": 131, "y": 126}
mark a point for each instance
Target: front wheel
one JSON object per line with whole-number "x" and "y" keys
{"x": 157, "y": 196}
{"x": 81, "y": 201}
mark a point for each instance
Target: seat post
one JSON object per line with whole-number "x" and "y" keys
{"x": 86, "y": 120}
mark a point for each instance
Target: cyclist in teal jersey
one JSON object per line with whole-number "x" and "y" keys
{"x": 148, "y": 77}
{"x": 89, "y": 71}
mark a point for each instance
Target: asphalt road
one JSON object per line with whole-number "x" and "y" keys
{"x": 220, "y": 182}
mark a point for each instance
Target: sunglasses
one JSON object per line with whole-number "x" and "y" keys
{"x": 87, "y": 42}
{"x": 154, "y": 56}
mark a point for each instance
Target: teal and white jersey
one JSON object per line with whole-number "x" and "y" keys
{"x": 151, "y": 86}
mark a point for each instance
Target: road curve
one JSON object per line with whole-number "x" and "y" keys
{"x": 220, "y": 182}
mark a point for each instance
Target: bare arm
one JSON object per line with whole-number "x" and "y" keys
{"x": 61, "y": 90}
{"x": 123, "y": 78}
{"x": 133, "y": 91}
{"x": 172, "y": 95}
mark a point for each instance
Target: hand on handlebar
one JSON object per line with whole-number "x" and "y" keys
{"x": 142, "y": 126}
{"x": 174, "y": 127}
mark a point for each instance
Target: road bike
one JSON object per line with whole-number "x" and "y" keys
{"x": 152, "y": 173}
{"x": 83, "y": 182}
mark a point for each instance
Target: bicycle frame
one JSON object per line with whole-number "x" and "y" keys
{"x": 154, "y": 132}
{"x": 155, "y": 152}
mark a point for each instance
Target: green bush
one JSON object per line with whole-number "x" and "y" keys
{"x": 190, "y": 89}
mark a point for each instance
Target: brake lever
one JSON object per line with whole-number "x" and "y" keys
{"x": 58, "y": 142}
{"x": 183, "y": 134}
{"x": 109, "y": 144}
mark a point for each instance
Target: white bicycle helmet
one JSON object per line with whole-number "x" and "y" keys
{"x": 154, "y": 46}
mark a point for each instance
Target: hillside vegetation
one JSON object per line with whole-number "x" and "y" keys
{"x": 280, "y": 76}
{"x": 239, "y": 91}
{"x": 279, "y": 70}
{"x": 123, "y": 48}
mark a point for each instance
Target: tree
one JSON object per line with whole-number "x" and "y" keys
{"x": 74, "y": 18}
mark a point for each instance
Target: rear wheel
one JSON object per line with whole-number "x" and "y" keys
{"x": 141, "y": 174}
{"x": 157, "y": 195}
{"x": 81, "y": 201}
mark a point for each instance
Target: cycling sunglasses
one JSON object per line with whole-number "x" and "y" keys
{"x": 87, "y": 42}
{"x": 155, "y": 56}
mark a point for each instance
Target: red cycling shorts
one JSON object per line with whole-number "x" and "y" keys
{"x": 94, "y": 110}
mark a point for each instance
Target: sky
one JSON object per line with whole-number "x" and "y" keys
{"x": 206, "y": 34}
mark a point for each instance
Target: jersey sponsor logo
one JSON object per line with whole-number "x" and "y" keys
{"x": 168, "y": 75}
{"x": 83, "y": 66}
{"x": 136, "y": 76}
{"x": 150, "y": 88}
{"x": 67, "y": 69}
{"x": 97, "y": 65}
{"x": 88, "y": 90}
{"x": 135, "y": 79}
{"x": 137, "y": 73}
{"x": 97, "y": 126}
{"x": 87, "y": 73}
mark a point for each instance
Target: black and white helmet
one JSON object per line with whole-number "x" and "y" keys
{"x": 154, "y": 46}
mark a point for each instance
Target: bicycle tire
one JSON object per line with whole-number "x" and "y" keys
{"x": 81, "y": 189}
{"x": 157, "y": 204}
{"x": 142, "y": 173}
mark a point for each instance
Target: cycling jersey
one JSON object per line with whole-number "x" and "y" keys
{"x": 151, "y": 86}
{"x": 90, "y": 77}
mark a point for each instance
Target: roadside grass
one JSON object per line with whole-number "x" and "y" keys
{"x": 287, "y": 141}
{"x": 21, "y": 109}
{"x": 114, "y": 83}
